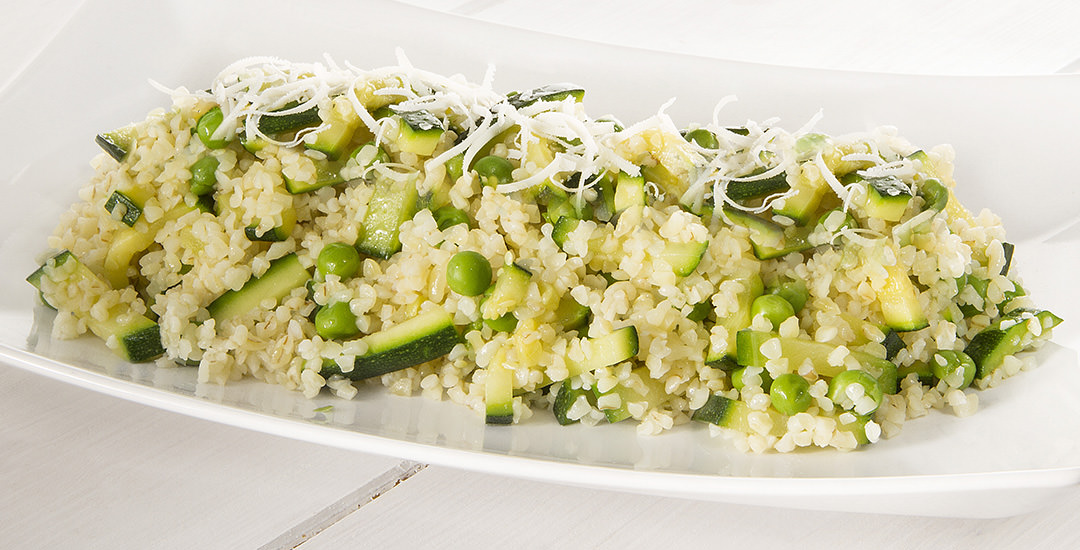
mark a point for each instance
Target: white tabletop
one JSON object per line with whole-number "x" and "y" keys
{"x": 83, "y": 470}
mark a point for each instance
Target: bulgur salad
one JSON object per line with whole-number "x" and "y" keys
{"x": 320, "y": 226}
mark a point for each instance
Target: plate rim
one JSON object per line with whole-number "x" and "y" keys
{"x": 506, "y": 464}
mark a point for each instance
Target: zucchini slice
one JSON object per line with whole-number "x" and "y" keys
{"x": 133, "y": 336}
{"x": 326, "y": 173}
{"x": 570, "y": 314}
{"x": 769, "y": 239}
{"x": 417, "y": 340}
{"x": 127, "y": 205}
{"x": 511, "y": 287}
{"x": 603, "y": 351}
{"x": 742, "y": 190}
{"x": 499, "y": 391}
{"x": 279, "y": 280}
{"x": 271, "y": 124}
{"x": 684, "y": 257}
{"x": 733, "y": 414}
{"x": 551, "y": 92}
{"x": 900, "y": 302}
{"x": 886, "y": 198}
{"x": 629, "y": 191}
{"x": 798, "y": 351}
{"x": 805, "y": 199}
{"x": 335, "y": 135}
{"x": 562, "y": 228}
{"x": 419, "y": 132}
{"x": 131, "y": 241}
{"x": 627, "y": 394}
{"x": 1009, "y": 335}
{"x": 118, "y": 143}
{"x": 392, "y": 203}
{"x": 723, "y": 355}
{"x": 274, "y": 234}
{"x": 565, "y": 399}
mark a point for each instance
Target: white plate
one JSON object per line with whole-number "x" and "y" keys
{"x": 1015, "y": 137}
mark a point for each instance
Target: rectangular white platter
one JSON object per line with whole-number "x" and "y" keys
{"x": 1015, "y": 138}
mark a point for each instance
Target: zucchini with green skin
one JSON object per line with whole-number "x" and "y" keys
{"x": 629, "y": 393}
{"x": 899, "y": 301}
{"x": 511, "y": 286}
{"x": 551, "y": 92}
{"x": 559, "y": 206}
{"x": 499, "y": 391}
{"x": 562, "y": 229}
{"x": 130, "y": 241}
{"x": 920, "y": 369}
{"x": 275, "y": 123}
{"x": 886, "y": 198}
{"x": 700, "y": 312}
{"x": 335, "y": 135}
{"x": 805, "y": 198}
{"x": 1007, "y": 249}
{"x": 118, "y": 143}
{"x": 799, "y": 351}
{"x": 326, "y": 173}
{"x": 417, "y": 340}
{"x": 768, "y": 239}
{"x": 133, "y": 336}
{"x": 1011, "y": 334}
{"x": 735, "y": 415}
{"x": 723, "y": 355}
{"x": 392, "y": 203}
{"x": 629, "y": 192}
{"x": 684, "y": 257}
{"x": 419, "y": 132}
{"x": 127, "y": 204}
{"x": 274, "y": 234}
{"x": 741, "y": 190}
{"x": 570, "y": 314}
{"x": 565, "y": 399}
{"x": 279, "y": 280}
{"x": 603, "y": 351}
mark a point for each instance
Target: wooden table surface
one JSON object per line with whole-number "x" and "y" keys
{"x": 80, "y": 469}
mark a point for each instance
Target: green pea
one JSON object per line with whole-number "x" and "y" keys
{"x": 506, "y": 323}
{"x": 454, "y": 168}
{"x": 339, "y": 259}
{"x": 790, "y": 394}
{"x": 737, "y": 379}
{"x": 794, "y": 291}
{"x": 775, "y": 309}
{"x": 369, "y": 154}
{"x": 336, "y": 321}
{"x": 203, "y": 176}
{"x": 494, "y": 170}
{"x": 702, "y": 137}
{"x": 838, "y": 390}
{"x": 468, "y": 273}
{"x": 207, "y": 125}
{"x": 448, "y": 216}
{"x": 956, "y": 368}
